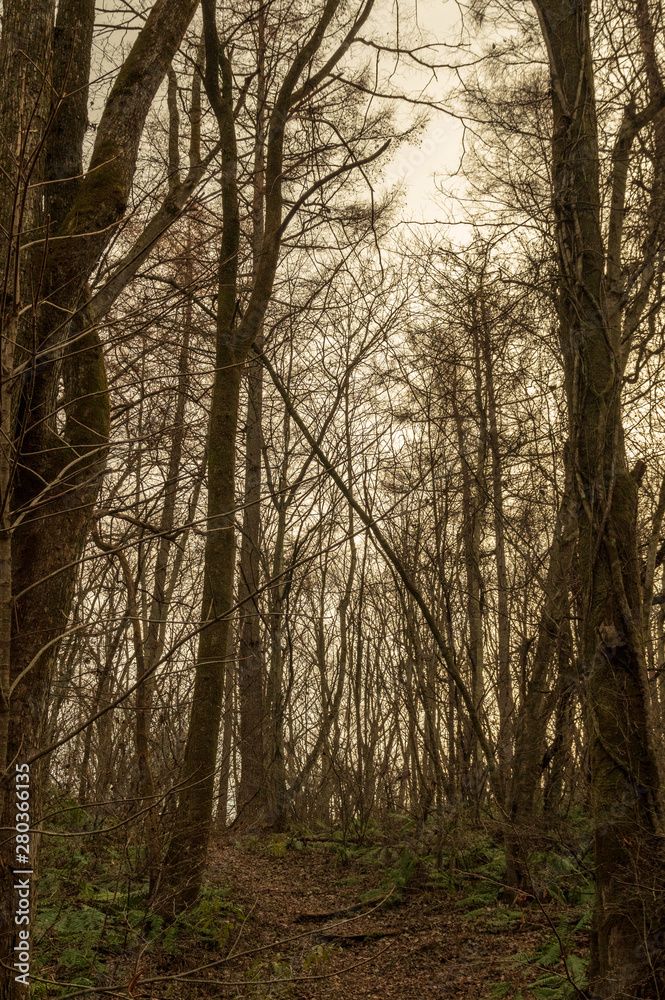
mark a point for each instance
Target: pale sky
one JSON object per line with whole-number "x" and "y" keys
{"x": 431, "y": 23}
{"x": 435, "y": 23}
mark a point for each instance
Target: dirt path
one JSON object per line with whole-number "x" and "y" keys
{"x": 420, "y": 948}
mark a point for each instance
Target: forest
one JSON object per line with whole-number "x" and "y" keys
{"x": 332, "y": 499}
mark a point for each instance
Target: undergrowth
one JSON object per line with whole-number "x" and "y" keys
{"x": 93, "y": 919}
{"x": 94, "y": 926}
{"x": 470, "y": 870}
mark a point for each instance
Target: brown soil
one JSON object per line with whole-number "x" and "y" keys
{"x": 298, "y": 914}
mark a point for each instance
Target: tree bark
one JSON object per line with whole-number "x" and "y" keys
{"x": 536, "y": 709}
{"x": 505, "y": 699}
{"x": 276, "y": 806}
{"x": 51, "y": 496}
{"x": 251, "y": 657}
{"x": 473, "y": 493}
{"x": 251, "y": 666}
{"x": 185, "y": 859}
{"x": 625, "y": 781}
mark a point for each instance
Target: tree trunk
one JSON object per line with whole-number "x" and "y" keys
{"x": 275, "y": 758}
{"x": 625, "y": 781}
{"x": 251, "y": 669}
{"x": 51, "y": 496}
{"x": 227, "y": 733}
{"x": 251, "y": 659}
{"x": 505, "y": 700}
{"x": 537, "y": 706}
{"x": 187, "y": 851}
{"x": 473, "y": 478}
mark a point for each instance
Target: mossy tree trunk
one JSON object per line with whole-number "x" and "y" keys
{"x": 57, "y": 479}
{"x": 625, "y": 781}
{"x": 50, "y": 478}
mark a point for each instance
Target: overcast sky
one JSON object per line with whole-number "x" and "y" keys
{"x": 435, "y": 23}
{"x": 420, "y": 166}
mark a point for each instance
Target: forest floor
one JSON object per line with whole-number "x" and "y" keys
{"x": 314, "y": 923}
{"x": 389, "y": 915}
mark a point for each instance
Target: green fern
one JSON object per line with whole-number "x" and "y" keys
{"x": 485, "y": 895}
{"x": 555, "y": 985}
{"x": 394, "y": 880}
{"x": 499, "y": 990}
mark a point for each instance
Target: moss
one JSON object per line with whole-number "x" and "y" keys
{"x": 88, "y": 417}
{"x": 624, "y": 505}
{"x": 102, "y": 197}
